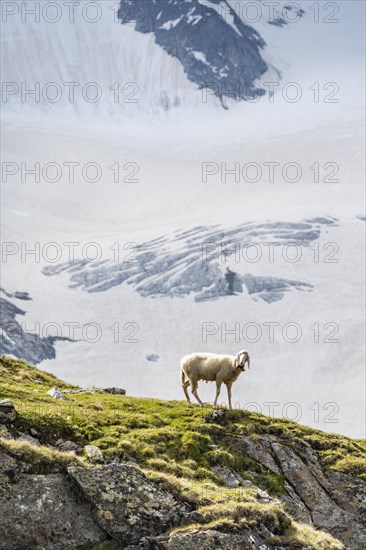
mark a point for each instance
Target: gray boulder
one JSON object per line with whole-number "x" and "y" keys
{"x": 126, "y": 504}
{"x": 69, "y": 446}
{"x": 43, "y": 511}
{"x": 29, "y": 439}
{"x": 94, "y": 454}
{"x": 114, "y": 391}
{"x": 231, "y": 479}
{"x": 7, "y": 411}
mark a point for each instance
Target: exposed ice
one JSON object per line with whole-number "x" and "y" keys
{"x": 193, "y": 261}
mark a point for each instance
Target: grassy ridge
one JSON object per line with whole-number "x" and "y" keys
{"x": 175, "y": 444}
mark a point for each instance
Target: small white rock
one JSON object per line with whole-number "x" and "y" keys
{"x": 94, "y": 453}
{"x": 56, "y": 394}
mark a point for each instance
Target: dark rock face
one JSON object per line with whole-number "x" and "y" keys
{"x": 18, "y": 295}
{"x": 18, "y": 342}
{"x": 217, "y": 50}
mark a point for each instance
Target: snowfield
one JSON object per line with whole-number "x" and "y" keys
{"x": 183, "y": 190}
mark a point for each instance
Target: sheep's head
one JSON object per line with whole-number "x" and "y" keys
{"x": 241, "y": 359}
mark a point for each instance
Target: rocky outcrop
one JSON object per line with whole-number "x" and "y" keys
{"x": 114, "y": 503}
{"x": 80, "y": 504}
{"x": 16, "y": 341}
{"x": 125, "y": 503}
{"x": 330, "y": 501}
{"x": 197, "y": 35}
{"x": 43, "y": 511}
{"x": 326, "y": 506}
{"x": 82, "y": 507}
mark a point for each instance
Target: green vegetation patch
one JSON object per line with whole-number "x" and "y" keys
{"x": 41, "y": 459}
{"x": 176, "y": 445}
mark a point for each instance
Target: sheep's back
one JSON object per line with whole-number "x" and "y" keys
{"x": 205, "y": 366}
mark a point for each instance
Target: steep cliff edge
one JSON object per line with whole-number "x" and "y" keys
{"x": 102, "y": 470}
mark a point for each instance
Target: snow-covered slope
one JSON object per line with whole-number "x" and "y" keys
{"x": 164, "y": 210}
{"x": 108, "y": 59}
{"x": 102, "y": 69}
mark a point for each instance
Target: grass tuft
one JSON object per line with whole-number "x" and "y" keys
{"x": 42, "y": 459}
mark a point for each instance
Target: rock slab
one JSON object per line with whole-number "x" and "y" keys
{"x": 126, "y": 504}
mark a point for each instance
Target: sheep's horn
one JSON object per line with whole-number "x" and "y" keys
{"x": 248, "y": 361}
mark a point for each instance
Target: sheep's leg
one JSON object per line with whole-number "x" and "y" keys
{"x": 218, "y": 388}
{"x": 194, "y": 392}
{"x": 185, "y": 386}
{"x": 228, "y": 386}
{"x": 184, "y": 383}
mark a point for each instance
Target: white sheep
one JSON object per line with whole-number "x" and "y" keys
{"x": 211, "y": 367}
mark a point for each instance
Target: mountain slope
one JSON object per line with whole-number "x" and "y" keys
{"x": 197, "y": 34}
{"x": 231, "y": 477}
{"x": 168, "y": 136}
{"x": 115, "y": 60}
